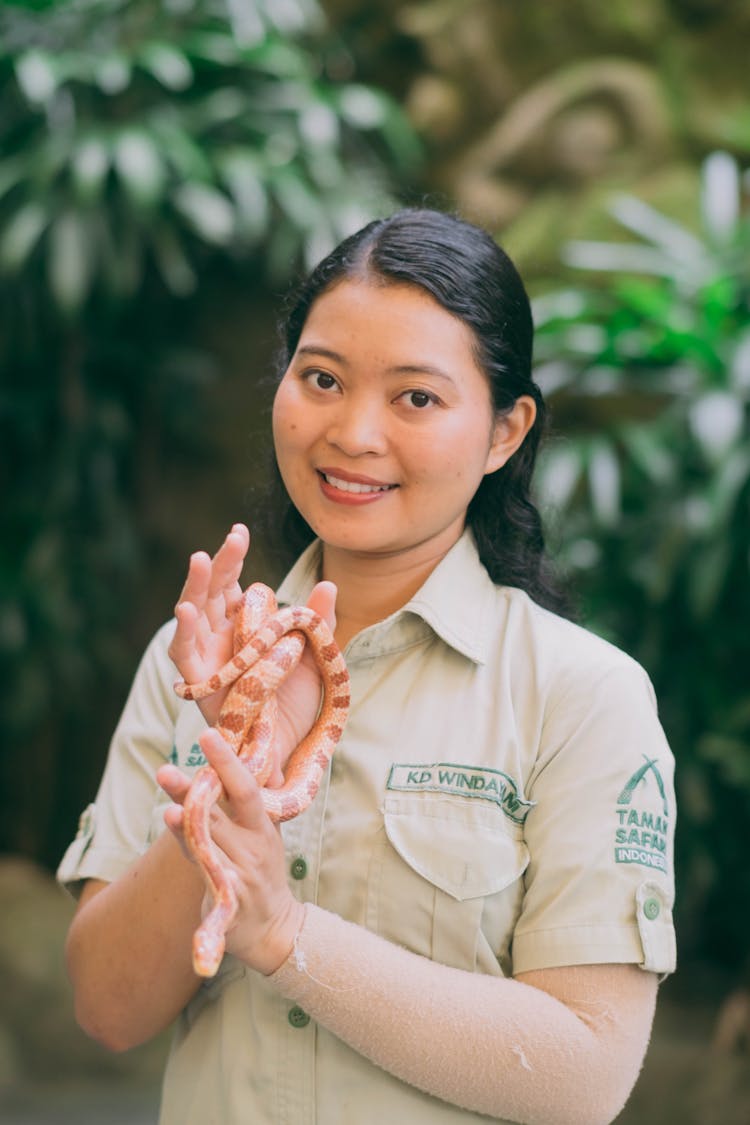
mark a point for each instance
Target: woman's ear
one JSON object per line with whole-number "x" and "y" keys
{"x": 509, "y": 432}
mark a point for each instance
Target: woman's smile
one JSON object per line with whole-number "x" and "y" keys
{"x": 349, "y": 488}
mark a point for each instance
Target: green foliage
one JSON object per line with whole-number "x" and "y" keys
{"x": 140, "y": 133}
{"x": 647, "y": 366}
{"x": 147, "y": 149}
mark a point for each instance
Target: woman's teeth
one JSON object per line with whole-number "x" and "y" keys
{"x": 352, "y": 486}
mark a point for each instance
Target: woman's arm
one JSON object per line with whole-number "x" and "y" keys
{"x": 558, "y": 1046}
{"x": 129, "y": 946}
{"x": 128, "y": 949}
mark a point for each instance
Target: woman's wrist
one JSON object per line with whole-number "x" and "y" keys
{"x": 281, "y": 939}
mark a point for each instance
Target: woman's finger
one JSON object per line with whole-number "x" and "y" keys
{"x": 241, "y": 788}
{"x": 195, "y": 587}
{"x": 224, "y": 588}
{"x": 174, "y": 783}
{"x": 323, "y": 601}
{"x": 184, "y": 648}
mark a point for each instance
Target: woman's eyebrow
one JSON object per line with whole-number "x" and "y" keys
{"x": 422, "y": 369}
{"x": 319, "y": 349}
{"x": 397, "y": 369}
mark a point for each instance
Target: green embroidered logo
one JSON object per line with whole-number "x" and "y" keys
{"x": 467, "y": 781}
{"x": 641, "y": 835}
{"x": 195, "y": 757}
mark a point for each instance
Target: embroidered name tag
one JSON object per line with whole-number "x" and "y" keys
{"x": 467, "y": 781}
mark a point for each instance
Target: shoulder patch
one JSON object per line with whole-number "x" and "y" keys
{"x": 642, "y": 819}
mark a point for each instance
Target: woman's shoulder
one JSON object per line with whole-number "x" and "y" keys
{"x": 562, "y": 651}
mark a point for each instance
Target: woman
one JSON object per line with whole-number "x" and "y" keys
{"x": 470, "y": 918}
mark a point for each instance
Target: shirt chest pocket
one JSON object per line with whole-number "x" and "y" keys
{"x": 440, "y": 867}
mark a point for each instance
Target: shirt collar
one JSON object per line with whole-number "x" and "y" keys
{"x": 454, "y": 601}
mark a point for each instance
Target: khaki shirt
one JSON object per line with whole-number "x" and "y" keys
{"x": 501, "y": 801}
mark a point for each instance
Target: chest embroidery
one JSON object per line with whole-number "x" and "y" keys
{"x": 464, "y": 781}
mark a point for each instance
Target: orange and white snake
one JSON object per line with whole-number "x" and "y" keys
{"x": 268, "y": 644}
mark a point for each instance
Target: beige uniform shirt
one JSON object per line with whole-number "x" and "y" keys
{"x": 501, "y": 801}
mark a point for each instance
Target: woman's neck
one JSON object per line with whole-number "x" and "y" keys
{"x": 371, "y": 588}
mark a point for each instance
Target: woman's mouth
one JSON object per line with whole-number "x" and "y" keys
{"x": 353, "y": 488}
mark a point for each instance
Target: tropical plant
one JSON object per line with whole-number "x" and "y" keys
{"x": 647, "y": 365}
{"x": 147, "y": 147}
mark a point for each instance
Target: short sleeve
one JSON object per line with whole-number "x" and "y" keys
{"x": 117, "y": 827}
{"x": 600, "y": 885}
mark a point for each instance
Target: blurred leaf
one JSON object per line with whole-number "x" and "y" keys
{"x": 720, "y": 195}
{"x": 113, "y": 73}
{"x": 173, "y": 262}
{"x": 36, "y": 76}
{"x": 361, "y": 106}
{"x": 208, "y": 212}
{"x": 139, "y": 164}
{"x": 604, "y": 482}
{"x": 559, "y": 472}
{"x": 69, "y": 261}
{"x": 241, "y": 173}
{"x": 668, "y": 237}
{"x": 168, "y": 65}
{"x": 89, "y": 167}
{"x": 649, "y": 452}
{"x": 21, "y": 235}
{"x": 716, "y": 420}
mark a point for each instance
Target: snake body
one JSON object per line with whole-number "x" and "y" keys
{"x": 268, "y": 644}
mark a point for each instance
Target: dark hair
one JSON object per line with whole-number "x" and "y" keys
{"x": 466, "y": 272}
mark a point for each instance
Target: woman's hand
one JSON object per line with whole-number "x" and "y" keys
{"x": 202, "y": 643}
{"x": 203, "y": 640}
{"x": 269, "y": 917}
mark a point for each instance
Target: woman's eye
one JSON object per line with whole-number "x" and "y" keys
{"x": 322, "y": 380}
{"x": 420, "y": 399}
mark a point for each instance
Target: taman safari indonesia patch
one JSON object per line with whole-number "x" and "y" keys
{"x": 643, "y": 819}
{"x": 465, "y": 781}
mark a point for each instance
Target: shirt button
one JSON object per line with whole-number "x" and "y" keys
{"x": 298, "y": 1017}
{"x": 651, "y": 908}
{"x": 298, "y": 868}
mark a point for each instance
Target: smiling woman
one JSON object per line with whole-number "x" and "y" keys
{"x": 454, "y": 914}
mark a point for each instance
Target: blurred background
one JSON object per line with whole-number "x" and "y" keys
{"x": 167, "y": 169}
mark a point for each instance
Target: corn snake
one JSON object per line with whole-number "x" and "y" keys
{"x": 268, "y": 643}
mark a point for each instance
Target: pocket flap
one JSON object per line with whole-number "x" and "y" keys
{"x": 465, "y": 851}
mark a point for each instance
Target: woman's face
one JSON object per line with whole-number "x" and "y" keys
{"x": 383, "y": 422}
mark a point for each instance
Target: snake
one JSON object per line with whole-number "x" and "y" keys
{"x": 268, "y": 643}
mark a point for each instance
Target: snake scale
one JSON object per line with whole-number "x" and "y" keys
{"x": 268, "y": 643}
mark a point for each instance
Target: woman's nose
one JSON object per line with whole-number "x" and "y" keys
{"x": 358, "y": 427}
